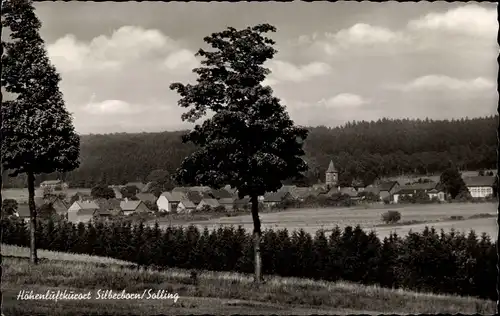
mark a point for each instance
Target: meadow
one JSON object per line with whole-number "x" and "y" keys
{"x": 209, "y": 293}
{"x": 312, "y": 220}
{"x": 22, "y": 194}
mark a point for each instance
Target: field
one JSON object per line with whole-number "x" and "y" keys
{"x": 312, "y": 220}
{"x": 22, "y": 194}
{"x": 211, "y": 293}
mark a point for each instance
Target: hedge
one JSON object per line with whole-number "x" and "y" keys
{"x": 447, "y": 263}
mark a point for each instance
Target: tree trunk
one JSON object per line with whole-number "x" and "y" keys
{"x": 32, "y": 206}
{"x": 256, "y": 239}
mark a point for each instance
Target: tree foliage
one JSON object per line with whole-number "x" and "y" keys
{"x": 452, "y": 182}
{"x": 250, "y": 142}
{"x": 102, "y": 191}
{"x": 388, "y": 147}
{"x": 38, "y": 134}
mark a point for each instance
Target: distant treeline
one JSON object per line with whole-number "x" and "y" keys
{"x": 429, "y": 261}
{"x": 360, "y": 150}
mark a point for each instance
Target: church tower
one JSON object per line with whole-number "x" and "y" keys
{"x": 332, "y": 176}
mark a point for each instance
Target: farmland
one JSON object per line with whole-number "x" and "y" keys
{"x": 22, "y": 194}
{"x": 213, "y": 293}
{"x": 311, "y": 220}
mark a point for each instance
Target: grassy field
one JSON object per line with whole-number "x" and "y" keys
{"x": 311, "y": 220}
{"x": 211, "y": 293}
{"x": 22, "y": 194}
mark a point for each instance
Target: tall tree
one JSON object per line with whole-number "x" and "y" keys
{"x": 452, "y": 181}
{"x": 38, "y": 134}
{"x": 250, "y": 142}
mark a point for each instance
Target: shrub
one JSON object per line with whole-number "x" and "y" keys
{"x": 391, "y": 217}
{"x": 442, "y": 263}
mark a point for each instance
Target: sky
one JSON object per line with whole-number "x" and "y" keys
{"x": 336, "y": 62}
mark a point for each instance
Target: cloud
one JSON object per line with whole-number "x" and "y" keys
{"x": 285, "y": 71}
{"x": 110, "y": 107}
{"x": 441, "y": 82}
{"x": 469, "y": 19}
{"x": 184, "y": 59}
{"x": 365, "y": 34}
{"x": 126, "y": 44}
{"x": 344, "y": 100}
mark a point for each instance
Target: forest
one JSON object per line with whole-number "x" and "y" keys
{"x": 362, "y": 151}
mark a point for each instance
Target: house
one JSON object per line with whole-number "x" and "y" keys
{"x": 197, "y": 196}
{"x": 350, "y": 191}
{"x": 220, "y": 194}
{"x": 146, "y": 197}
{"x": 227, "y": 203}
{"x": 54, "y": 185}
{"x": 387, "y": 189}
{"x": 274, "y": 198}
{"x": 108, "y": 207}
{"x": 60, "y": 206}
{"x": 412, "y": 189}
{"x": 480, "y": 186}
{"x": 82, "y": 212}
{"x": 212, "y": 203}
{"x": 242, "y": 204}
{"x": 186, "y": 206}
{"x": 168, "y": 201}
{"x": 132, "y": 207}
{"x": 437, "y": 194}
{"x": 82, "y": 196}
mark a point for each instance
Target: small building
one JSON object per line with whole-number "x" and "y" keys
{"x": 133, "y": 207}
{"x": 220, "y": 194}
{"x": 186, "y": 206}
{"x": 480, "y": 186}
{"x": 168, "y": 201}
{"x": 82, "y": 212}
{"x": 59, "y": 206}
{"x": 212, "y": 203}
{"x": 387, "y": 189}
{"x": 437, "y": 194}
{"x": 146, "y": 197}
{"x": 274, "y": 198}
{"x": 54, "y": 184}
{"x": 227, "y": 203}
{"x": 23, "y": 212}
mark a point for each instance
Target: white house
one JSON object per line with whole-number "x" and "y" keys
{"x": 82, "y": 211}
{"x": 168, "y": 201}
{"x": 480, "y": 186}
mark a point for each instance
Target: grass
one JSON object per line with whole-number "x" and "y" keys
{"x": 15, "y": 251}
{"x": 211, "y": 293}
{"x": 414, "y": 217}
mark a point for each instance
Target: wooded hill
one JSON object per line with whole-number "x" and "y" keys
{"x": 360, "y": 150}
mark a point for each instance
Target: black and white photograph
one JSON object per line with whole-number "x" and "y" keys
{"x": 254, "y": 158}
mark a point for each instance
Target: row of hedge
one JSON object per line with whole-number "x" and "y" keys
{"x": 429, "y": 261}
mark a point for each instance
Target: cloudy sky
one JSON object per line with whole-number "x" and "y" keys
{"x": 337, "y": 62}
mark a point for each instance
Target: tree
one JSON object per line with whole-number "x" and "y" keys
{"x": 38, "y": 134}
{"x": 9, "y": 207}
{"x": 391, "y": 217}
{"x": 102, "y": 191}
{"x": 250, "y": 142}
{"x": 452, "y": 182}
{"x": 130, "y": 191}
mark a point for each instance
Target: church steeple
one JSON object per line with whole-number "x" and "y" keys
{"x": 332, "y": 175}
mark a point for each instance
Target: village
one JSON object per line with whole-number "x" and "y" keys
{"x": 81, "y": 206}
